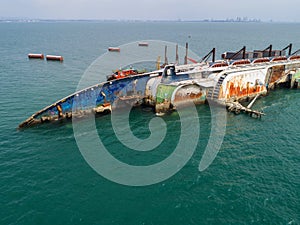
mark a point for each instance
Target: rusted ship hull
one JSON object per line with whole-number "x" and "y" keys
{"x": 166, "y": 89}
{"x": 99, "y": 99}
{"x": 246, "y": 83}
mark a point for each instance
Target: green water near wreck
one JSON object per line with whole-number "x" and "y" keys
{"x": 255, "y": 178}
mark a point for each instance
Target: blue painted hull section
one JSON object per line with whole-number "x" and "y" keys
{"x": 96, "y": 95}
{"x": 100, "y": 95}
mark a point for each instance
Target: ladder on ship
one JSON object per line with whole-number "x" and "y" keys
{"x": 213, "y": 93}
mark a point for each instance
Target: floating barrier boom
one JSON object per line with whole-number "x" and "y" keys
{"x": 35, "y": 56}
{"x": 114, "y": 49}
{"x": 54, "y": 57}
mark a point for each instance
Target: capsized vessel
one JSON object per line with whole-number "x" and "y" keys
{"x": 238, "y": 76}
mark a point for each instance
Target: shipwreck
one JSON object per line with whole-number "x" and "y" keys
{"x": 239, "y": 76}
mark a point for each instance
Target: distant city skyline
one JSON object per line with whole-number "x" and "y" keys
{"x": 277, "y": 11}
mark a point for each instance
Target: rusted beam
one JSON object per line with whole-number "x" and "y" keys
{"x": 243, "y": 51}
{"x": 237, "y": 108}
{"x": 252, "y": 102}
{"x": 287, "y": 47}
{"x": 270, "y": 50}
{"x": 296, "y": 52}
{"x": 211, "y": 53}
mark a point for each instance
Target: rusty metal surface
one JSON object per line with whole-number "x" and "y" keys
{"x": 240, "y": 89}
{"x": 241, "y": 85}
{"x": 249, "y": 83}
{"x": 168, "y": 97}
{"x": 276, "y": 73}
{"x": 164, "y": 91}
{"x": 189, "y": 93}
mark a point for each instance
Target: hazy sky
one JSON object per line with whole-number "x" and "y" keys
{"x": 277, "y": 10}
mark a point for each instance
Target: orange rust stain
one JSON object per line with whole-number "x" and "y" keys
{"x": 239, "y": 91}
{"x": 277, "y": 73}
{"x": 192, "y": 96}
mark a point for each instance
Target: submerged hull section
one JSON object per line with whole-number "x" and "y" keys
{"x": 104, "y": 97}
{"x": 170, "y": 96}
{"x": 166, "y": 89}
{"x": 236, "y": 84}
{"x": 97, "y": 99}
{"x": 243, "y": 85}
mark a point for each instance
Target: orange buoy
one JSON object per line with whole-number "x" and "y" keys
{"x": 54, "y": 57}
{"x": 113, "y": 49}
{"x": 35, "y": 56}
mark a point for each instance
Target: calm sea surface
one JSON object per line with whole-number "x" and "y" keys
{"x": 255, "y": 178}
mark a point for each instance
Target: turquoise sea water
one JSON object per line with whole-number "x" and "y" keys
{"x": 255, "y": 178}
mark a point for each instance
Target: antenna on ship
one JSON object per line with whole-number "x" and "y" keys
{"x": 186, "y": 53}
{"x": 177, "y": 57}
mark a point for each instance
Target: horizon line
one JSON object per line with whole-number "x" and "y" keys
{"x": 227, "y": 20}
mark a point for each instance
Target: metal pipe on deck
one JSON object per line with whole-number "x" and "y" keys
{"x": 186, "y": 53}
